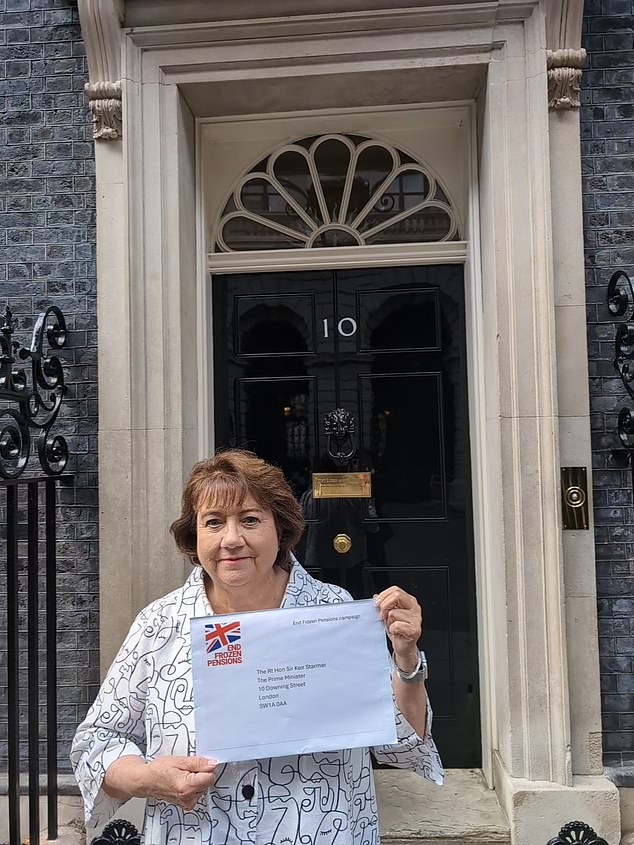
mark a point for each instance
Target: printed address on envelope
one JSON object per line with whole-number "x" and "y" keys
{"x": 291, "y": 681}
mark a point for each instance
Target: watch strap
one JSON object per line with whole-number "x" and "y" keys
{"x": 419, "y": 674}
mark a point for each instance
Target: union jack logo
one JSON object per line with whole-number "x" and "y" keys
{"x": 218, "y": 635}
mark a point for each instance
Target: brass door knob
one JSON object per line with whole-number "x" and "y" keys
{"x": 342, "y": 543}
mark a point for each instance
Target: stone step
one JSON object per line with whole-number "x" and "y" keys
{"x": 434, "y": 840}
{"x": 413, "y": 811}
{"x": 464, "y": 810}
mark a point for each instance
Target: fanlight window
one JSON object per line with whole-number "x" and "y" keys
{"x": 335, "y": 190}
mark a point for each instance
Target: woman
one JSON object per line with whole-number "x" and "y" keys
{"x": 238, "y": 525}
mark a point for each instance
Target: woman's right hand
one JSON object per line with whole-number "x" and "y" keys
{"x": 177, "y": 780}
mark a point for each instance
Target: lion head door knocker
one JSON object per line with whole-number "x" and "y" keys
{"x": 339, "y": 428}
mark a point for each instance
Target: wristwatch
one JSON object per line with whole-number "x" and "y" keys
{"x": 419, "y": 674}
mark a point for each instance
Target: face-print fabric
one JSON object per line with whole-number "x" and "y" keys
{"x": 144, "y": 707}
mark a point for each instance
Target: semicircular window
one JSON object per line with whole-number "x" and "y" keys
{"x": 335, "y": 190}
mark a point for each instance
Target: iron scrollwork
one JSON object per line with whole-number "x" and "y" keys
{"x": 577, "y": 833}
{"x": 620, "y": 301}
{"x": 118, "y": 832}
{"x": 620, "y": 304}
{"x": 37, "y": 400}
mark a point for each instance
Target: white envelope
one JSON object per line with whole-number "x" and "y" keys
{"x": 291, "y": 681}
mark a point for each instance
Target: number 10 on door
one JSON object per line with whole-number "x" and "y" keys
{"x": 347, "y": 327}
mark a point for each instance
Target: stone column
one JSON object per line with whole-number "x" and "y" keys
{"x": 100, "y": 25}
{"x": 546, "y": 761}
{"x": 564, "y": 60}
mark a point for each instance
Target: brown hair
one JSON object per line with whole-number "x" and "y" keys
{"x": 227, "y": 479}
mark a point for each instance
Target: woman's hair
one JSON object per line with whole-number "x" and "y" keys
{"x": 224, "y": 481}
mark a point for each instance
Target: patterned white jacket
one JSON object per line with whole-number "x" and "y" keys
{"x": 144, "y": 707}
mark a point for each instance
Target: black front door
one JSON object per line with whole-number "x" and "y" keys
{"x": 388, "y": 346}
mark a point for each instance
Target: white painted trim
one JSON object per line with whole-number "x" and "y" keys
{"x": 436, "y": 116}
{"x": 379, "y": 255}
{"x": 436, "y": 110}
{"x": 256, "y": 56}
{"x": 444, "y": 116}
{"x": 478, "y": 448}
{"x": 204, "y": 324}
{"x": 265, "y": 261}
{"x": 266, "y": 173}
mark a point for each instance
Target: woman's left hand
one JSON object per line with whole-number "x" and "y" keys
{"x": 403, "y": 620}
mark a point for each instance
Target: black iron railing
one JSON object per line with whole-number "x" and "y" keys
{"x": 31, "y": 400}
{"x": 31, "y": 392}
{"x": 621, "y": 304}
{"x": 35, "y": 499}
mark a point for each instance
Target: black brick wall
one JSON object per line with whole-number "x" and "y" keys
{"x": 47, "y": 245}
{"x": 47, "y": 256}
{"x": 607, "y": 131}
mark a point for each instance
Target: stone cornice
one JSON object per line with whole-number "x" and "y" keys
{"x": 101, "y": 30}
{"x": 101, "y": 22}
{"x": 147, "y": 14}
{"x": 165, "y": 31}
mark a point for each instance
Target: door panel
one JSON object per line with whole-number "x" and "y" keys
{"x": 400, "y": 416}
{"x": 398, "y": 320}
{"x": 388, "y": 346}
{"x": 277, "y": 416}
{"x": 272, "y": 325}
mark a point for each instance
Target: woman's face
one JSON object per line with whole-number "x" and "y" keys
{"x": 237, "y": 547}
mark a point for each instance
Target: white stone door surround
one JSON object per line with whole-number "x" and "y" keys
{"x": 537, "y": 620}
